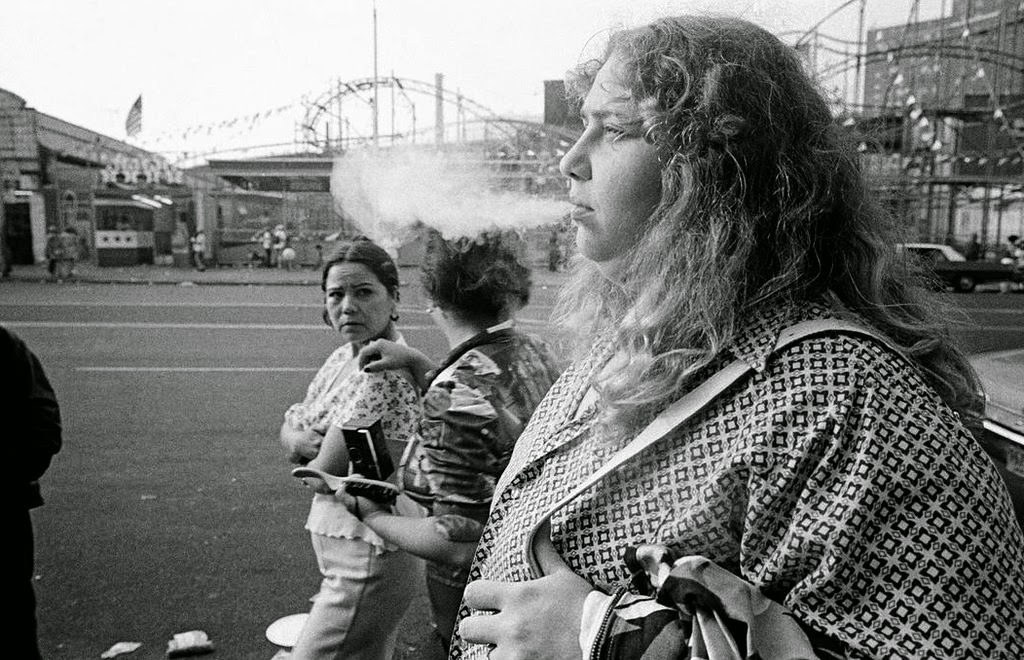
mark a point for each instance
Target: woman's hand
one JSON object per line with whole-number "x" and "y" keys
{"x": 538, "y": 619}
{"x": 301, "y": 445}
{"x": 386, "y": 355}
{"x": 362, "y": 507}
{"x": 383, "y": 355}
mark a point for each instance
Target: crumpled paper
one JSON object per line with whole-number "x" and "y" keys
{"x": 121, "y": 648}
{"x": 192, "y": 642}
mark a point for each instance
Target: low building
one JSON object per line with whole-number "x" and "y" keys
{"x": 128, "y": 205}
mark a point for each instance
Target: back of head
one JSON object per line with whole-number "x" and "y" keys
{"x": 362, "y": 250}
{"x": 480, "y": 280}
{"x": 763, "y": 204}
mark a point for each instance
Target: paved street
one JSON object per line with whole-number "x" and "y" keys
{"x": 170, "y": 507}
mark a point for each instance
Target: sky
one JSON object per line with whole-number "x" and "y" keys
{"x": 200, "y": 63}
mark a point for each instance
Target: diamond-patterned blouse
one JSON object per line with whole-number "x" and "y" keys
{"x": 834, "y": 478}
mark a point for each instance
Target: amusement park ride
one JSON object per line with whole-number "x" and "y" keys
{"x": 937, "y": 111}
{"x": 935, "y": 105}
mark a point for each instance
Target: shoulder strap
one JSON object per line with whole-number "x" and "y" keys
{"x": 690, "y": 404}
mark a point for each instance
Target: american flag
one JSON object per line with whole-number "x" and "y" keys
{"x": 133, "y": 123}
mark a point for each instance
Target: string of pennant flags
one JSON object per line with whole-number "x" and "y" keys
{"x": 916, "y": 111}
{"x": 927, "y": 133}
{"x": 247, "y": 121}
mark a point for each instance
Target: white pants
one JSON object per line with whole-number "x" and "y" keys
{"x": 361, "y": 601}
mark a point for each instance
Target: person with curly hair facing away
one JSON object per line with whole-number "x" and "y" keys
{"x": 475, "y": 404}
{"x": 718, "y": 203}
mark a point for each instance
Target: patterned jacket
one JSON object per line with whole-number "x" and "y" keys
{"x": 477, "y": 404}
{"x": 834, "y": 479}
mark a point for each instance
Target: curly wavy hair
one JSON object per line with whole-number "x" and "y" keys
{"x": 480, "y": 280}
{"x": 763, "y": 203}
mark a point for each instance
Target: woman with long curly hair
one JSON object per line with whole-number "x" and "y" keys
{"x": 718, "y": 204}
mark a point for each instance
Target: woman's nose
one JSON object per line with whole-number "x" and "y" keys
{"x": 575, "y": 164}
{"x": 348, "y": 304}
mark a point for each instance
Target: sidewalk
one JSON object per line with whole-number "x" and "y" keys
{"x": 148, "y": 274}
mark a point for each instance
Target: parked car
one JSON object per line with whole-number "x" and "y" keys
{"x": 1002, "y": 432}
{"x": 948, "y": 267}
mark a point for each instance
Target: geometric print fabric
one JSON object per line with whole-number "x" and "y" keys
{"x": 833, "y": 478}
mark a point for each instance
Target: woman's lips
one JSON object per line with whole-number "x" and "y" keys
{"x": 580, "y": 212}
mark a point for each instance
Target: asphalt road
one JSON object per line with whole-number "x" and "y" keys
{"x": 170, "y": 507}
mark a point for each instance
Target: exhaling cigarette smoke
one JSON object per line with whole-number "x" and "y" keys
{"x": 386, "y": 195}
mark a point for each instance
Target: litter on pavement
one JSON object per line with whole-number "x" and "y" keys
{"x": 121, "y": 648}
{"x": 193, "y": 642}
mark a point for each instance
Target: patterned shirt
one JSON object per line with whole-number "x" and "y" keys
{"x": 474, "y": 410}
{"x": 834, "y": 478}
{"x": 341, "y": 391}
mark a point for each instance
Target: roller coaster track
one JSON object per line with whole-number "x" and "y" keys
{"x": 504, "y": 129}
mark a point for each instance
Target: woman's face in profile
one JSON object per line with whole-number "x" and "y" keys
{"x": 615, "y": 176}
{"x": 358, "y": 304}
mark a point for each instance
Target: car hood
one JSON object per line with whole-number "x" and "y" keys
{"x": 1002, "y": 377}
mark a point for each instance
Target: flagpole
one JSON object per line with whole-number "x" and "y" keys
{"x": 375, "y": 96}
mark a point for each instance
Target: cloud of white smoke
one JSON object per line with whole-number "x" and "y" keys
{"x": 386, "y": 194}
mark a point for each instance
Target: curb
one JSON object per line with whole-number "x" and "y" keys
{"x": 94, "y": 280}
{"x": 91, "y": 276}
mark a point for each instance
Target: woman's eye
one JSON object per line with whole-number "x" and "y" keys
{"x": 614, "y": 131}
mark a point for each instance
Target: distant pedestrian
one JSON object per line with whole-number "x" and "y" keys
{"x": 31, "y": 417}
{"x": 68, "y": 254}
{"x": 53, "y": 250}
{"x": 267, "y": 245}
{"x": 973, "y": 250}
{"x": 1013, "y": 254}
{"x": 6, "y": 254}
{"x": 554, "y": 251}
{"x": 198, "y": 242}
{"x": 280, "y": 243}
{"x": 1017, "y": 254}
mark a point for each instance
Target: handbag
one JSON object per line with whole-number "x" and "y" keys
{"x": 714, "y": 602}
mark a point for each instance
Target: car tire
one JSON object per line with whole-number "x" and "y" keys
{"x": 964, "y": 284}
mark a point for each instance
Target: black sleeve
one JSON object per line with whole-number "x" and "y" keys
{"x": 30, "y": 408}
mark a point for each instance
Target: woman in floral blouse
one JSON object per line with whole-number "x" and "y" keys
{"x": 475, "y": 405}
{"x": 718, "y": 202}
{"x": 364, "y": 592}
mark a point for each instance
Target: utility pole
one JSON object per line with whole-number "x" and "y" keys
{"x": 439, "y": 110}
{"x": 861, "y": 53}
{"x": 375, "y": 95}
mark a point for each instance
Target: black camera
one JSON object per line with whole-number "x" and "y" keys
{"x": 368, "y": 456}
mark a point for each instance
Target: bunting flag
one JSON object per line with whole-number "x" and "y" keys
{"x": 133, "y": 123}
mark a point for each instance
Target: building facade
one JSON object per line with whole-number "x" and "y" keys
{"x": 127, "y": 205}
{"x": 942, "y": 121}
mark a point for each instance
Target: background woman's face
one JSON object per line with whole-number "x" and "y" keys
{"x": 615, "y": 176}
{"x": 358, "y": 304}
